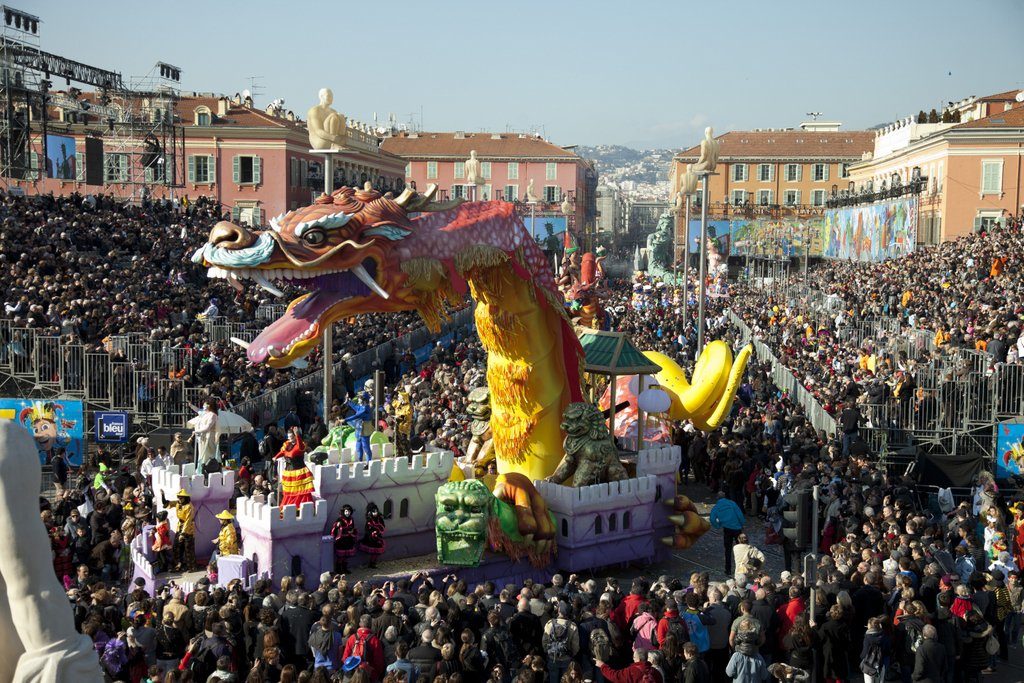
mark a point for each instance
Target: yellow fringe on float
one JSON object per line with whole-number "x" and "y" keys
{"x": 514, "y": 430}
{"x": 433, "y": 289}
{"x": 479, "y": 256}
{"x": 509, "y": 384}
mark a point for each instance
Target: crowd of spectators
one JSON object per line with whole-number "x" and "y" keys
{"x": 945, "y": 317}
{"x": 90, "y": 269}
{"x": 902, "y": 590}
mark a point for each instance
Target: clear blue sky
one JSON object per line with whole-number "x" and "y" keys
{"x": 638, "y": 73}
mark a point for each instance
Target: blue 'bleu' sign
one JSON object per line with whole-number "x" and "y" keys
{"x": 112, "y": 427}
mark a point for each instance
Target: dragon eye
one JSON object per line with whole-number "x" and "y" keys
{"x": 314, "y": 237}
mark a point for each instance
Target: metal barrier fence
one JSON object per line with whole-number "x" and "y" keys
{"x": 273, "y": 404}
{"x": 145, "y": 377}
{"x": 960, "y": 396}
{"x": 783, "y": 378}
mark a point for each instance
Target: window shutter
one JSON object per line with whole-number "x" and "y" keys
{"x": 211, "y": 168}
{"x": 148, "y": 174}
{"x": 294, "y": 170}
{"x": 236, "y": 213}
{"x": 771, "y": 172}
{"x": 826, "y": 172}
{"x": 191, "y": 169}
{"x": 256, "y": 171}
{"x": 257, "y": 217}
{"x": 236, "y": 174}
{"x": 799, "y": 175}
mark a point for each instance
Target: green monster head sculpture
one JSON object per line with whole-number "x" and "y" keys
{"x": 468, "y": 516}
{"x": 463, "y": 517}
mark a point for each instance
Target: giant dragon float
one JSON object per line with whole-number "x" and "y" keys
{"x": 562, "y": 497}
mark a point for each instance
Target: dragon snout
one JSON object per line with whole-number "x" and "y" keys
{"x": 230, "y": 236}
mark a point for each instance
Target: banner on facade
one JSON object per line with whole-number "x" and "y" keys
{"x": 53, "y": 424}
{"x": 760, "y": 237}
{"x": 1010, "y": 449}
{"x": 873, "y": 232}
{"x": 112, "y": 427}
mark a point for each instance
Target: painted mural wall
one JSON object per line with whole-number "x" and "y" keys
{"x": 871, "y": 233}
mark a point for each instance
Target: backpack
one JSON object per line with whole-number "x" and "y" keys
{"x": 600, "y": 644}
{"x": 676, "y": 628}
{"x": 871, "y": 664}
{"x": 557, "y": 647}
{"x": 697, "y": 630}
{"x": 264, "y": 449}
{"x": 914, "y": 638}
{"x": 359, "y": 649}
{"x": 203, "y": 663}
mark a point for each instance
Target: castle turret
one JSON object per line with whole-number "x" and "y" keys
{"x": 603, "y": 524}
{"x": 284, "y": 542}
{"x": 211, "y": 494}
{"x": 402, "y": 490}
{"x": 662, "y": 463}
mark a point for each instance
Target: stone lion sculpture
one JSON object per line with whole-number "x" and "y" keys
{"x": 590, "y": 454}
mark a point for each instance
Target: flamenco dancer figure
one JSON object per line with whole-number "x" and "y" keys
{"x": 344, "y": 534}
{"x": 373, "y": 535}
{"x": 297, "y": 480}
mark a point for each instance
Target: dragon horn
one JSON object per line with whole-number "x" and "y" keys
{"x": 407, "y": 194}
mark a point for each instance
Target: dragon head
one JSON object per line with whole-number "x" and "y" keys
{"x": 344, "y": 250}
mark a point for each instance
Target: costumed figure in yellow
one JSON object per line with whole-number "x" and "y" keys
{"x": 184, "y": 531}
{"x": 227, "y": 539}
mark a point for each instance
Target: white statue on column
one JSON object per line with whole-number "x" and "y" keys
{"x": 38, "y": 640}
{"x": 708, "y": 153}
{"x": 327, "y": 128}
{"x": 473, "y": 174}
{"x": 530, "y": 196}
{"x": 688, "y": 183}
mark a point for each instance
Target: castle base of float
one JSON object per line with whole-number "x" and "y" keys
{"x": 597, "y": 526}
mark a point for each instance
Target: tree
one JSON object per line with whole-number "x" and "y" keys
{"x": 922, "y": 117}
{"x": 946, "y": 116}
{"x": 933, "y": 116}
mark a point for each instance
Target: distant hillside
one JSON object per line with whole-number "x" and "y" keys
{"x": 618, "y": 164}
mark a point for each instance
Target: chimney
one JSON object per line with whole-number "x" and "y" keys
{"x": 222, "y": 107}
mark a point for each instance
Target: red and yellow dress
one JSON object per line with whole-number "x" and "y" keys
{"x": 297, "y": 480}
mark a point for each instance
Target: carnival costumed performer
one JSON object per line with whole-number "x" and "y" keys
{"x": 1018, "y": 533}
{"x": 204, "y": 434}
{"x": 344, "y": 534}
{"x": 184, "y": 532}
{"x": 361, "y": 420}
{"x": 297, "y": 480}
{"x": 162, "y": 542}
{"x": 373, "y": 535}
{"x": 227, "y": 539}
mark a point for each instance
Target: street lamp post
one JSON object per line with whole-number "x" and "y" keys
{"x": 687, "y": 188}
{"x": 703, "y": 271}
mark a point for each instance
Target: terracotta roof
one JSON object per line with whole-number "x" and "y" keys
{"x": 237, "y": 115}
{"x": 1002, "y": 96}
{"x": 508, "y": 145}
{"x": 1011, "y": 118}
{"x": 788, "y": 144}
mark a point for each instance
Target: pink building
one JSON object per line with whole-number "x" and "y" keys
{"x": 255, "y": 162}
{"x": 508, "y": 163}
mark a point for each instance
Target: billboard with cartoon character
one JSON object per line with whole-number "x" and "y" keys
{"x": 1010, "y": 449}
{"x": 53, "y": 425}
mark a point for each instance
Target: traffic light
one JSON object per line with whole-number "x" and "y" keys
{"x": 796, "y": 516}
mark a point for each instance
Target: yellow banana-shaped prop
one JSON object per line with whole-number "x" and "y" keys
{"x": 716, "y": 378}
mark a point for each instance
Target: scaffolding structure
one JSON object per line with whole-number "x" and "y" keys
{"x": 143, "y": 142}
{"x": 21, "y": 94}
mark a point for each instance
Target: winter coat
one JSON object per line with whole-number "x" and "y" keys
{"x": 745, "y": 669}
